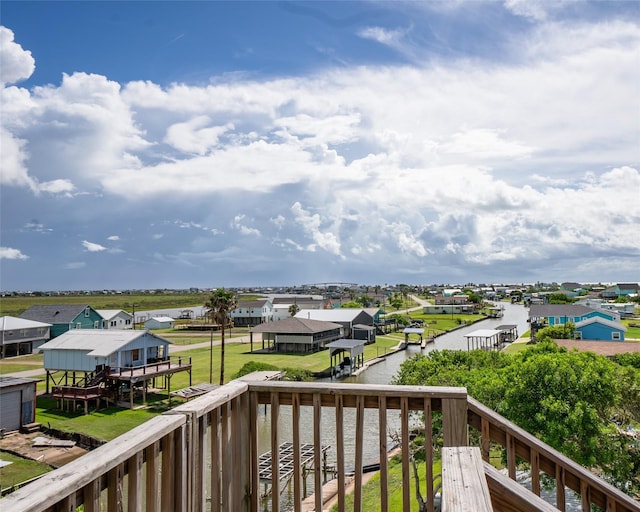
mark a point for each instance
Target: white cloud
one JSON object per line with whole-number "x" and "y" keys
{"x": 113, "y": 238}
{"x": 9, "y": 253}
{"x": 93, "y": 247}
{"x": 75, "y": 265}
{"x": 238, "y": 223}
{"x": 15, "y": 63}
{"x": 311, "y": 224}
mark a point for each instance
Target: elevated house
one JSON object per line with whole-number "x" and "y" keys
{"x": 590, "y": 324}
{"x": 84, "y": 364}
{"x": 64, "y": 317}
{"x": 352, "y": 320}
{"x": 295, "y": 334}
{"x": 282, "y": 305}
{"x": 249, "y": 313}
{"x": 116, "y": 319}
{"x": 20, "y": 336}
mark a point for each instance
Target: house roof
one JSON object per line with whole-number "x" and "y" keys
{"x": 161, "y": 319}
{"x": 603, "y": 321}
{"x": 331, "y": 315}
{"x": 108, "y": 314}
{"x": 295, "y": 325}
{"x": 98, "y": 342}
{"x": 258, "y": 303}
{"x": 7, "y": 381}
{"x": 9, "y": 323}
{"x": 54, "y": 313}
{"x": 547, "y": 310}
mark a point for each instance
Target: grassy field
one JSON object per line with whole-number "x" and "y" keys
{"x": 14, "y": 306}
{"x": 20, "y": 470}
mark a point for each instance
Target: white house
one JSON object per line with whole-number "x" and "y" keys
{"x": 252, "y": 312}
{"x": 21, "y": 336}
{"x": 159, "y": 322}
{"x": 82, "y": 350}
{"x": 116, "y": 319}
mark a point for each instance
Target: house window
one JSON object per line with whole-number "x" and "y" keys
{"x": 135, "y": 354}
{"x": 113, "y": 323}
{"x": 86, "y": 312}
{"x": 615, "y": 335}
{"x": 96, "y": 325}
{"x": 79, "y": 325}
{"x": 127, "y": 322}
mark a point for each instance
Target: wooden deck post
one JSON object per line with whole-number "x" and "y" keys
{"x": 454, "y": 422}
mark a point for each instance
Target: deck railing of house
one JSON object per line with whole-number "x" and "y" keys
{"x": 165, "y": 464}
{"x": 158, "y": 366}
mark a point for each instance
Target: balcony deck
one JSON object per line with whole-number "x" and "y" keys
{"x": 165, "y": 464}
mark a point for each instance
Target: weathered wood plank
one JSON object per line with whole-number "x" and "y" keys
{"x": 359, "y": 426}
{"x": 406, "y": 475}
{"x": 275, "y": 454}
{"x": 340, "y": 451}
{"x": 134, "y": 489}
{"x": 317, "y": 443}
{"x": 508, "y": 495}
{"x": 428, "y": 446}
{"x": 464, "y": 485}
{"x": 384, "y": 462}
{"x": 297, "y": 467}
{"x": 454, "y": 421}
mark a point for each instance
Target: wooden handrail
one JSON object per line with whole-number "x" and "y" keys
{"x": 204, "y": 453}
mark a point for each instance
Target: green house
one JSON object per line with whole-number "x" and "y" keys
{"x": 64, "y": 317}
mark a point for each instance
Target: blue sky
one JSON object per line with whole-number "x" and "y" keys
{"x": 178, "y": 144}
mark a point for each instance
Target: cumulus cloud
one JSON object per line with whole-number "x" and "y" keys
{"x": 16, "y": 63}
{"x": 93, "y": 247}
{"x": 9, "y": 253}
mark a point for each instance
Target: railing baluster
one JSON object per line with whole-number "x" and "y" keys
{"x": 114, "y": 494}
{"x": 428, "y": 456}
{"x": 275, "y": 453}
{"x": 181, "y": 472}
{"x": 357, "y": 495}
{"x": 585, "y": 496}
{"x": 91, "y": 496}
{"x": 317, "y": 449}
{"x": 297, "y": 469}
{"x": 485, "y": 436}
{"x": 166, "y": 497}
{"x": 226, "y": 455}
{"x": 244, "y": 432}
{"x": 535, "y": 471}
{"x": 236, "y": 467}
{"x": 511, "y": 456}
{"x": 406, "y": 476}
{"x": 384, "y": 461}
{"x": 134, "y": 489}
{"x": 340, "y": 450}
{"x": 151, "y": 477}
{"x": 214, "y": 436}
{"x": 199, "y": 466}
{"x": 253, "y": 452}
{"x": 560, "y": 498}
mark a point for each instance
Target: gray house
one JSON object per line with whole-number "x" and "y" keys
{"x": 20, "y": 336}
{"x": 17, "y": 402}
{"x": 64, "y": 317}
{"x": 297, "y": 334}
{"x": 348, "y": 318}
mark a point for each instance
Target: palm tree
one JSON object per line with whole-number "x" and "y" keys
{"x": 219, "y": 306}
{"x": 293, "y": 309}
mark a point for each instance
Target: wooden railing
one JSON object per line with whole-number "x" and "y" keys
{"x": 165, "y": 464}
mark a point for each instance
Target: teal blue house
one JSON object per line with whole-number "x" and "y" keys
{"x": 590, "y": 323}
{"x": 64, "y": 317}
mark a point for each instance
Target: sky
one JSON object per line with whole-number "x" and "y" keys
{"x": 202, "y": 144}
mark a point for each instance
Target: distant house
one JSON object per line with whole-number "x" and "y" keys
{"x": 19, "y": 336}
{"x": 116, "y": 319}
{"x": 590, "y": 323}
{"x": 17, "y": 402}
{"x": 282, "y": 305}
{"x": 347, "y": 317}
{"x": 159, "y": 322}
{"x": 252, "y": 312}
{"x": 621, "y": 290}
{"x": 64, "y": 317}
{"x": 295, "y": 334}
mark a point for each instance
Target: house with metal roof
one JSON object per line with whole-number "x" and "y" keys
{"x": 88, "y": 364}
{"x": 116, "y": 319}
{"x": 20, "y": 336}
{"x": 159, "y": 322}
{"x": 349, "y": 318}
{"x": 295, "y": 334}
{"x": 64, "y": 317}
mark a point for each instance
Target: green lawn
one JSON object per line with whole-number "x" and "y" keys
{"x": 20, "y": 470}
{"x": 371, "y": 490}
{"x": 21, "y": 363}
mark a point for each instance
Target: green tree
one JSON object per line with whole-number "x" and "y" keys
{"x": 219, "y": 306}
{"x": 293, "y": 309}
{"x": 364, "y": 300}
